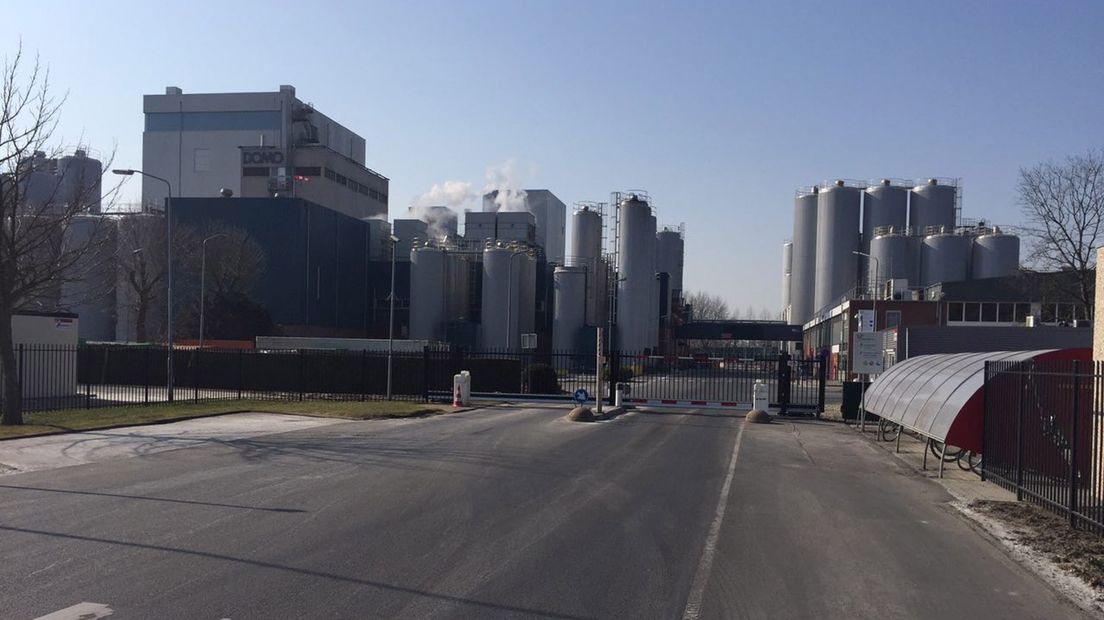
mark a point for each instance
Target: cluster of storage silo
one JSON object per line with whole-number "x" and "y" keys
{"x": 910, "y": 232}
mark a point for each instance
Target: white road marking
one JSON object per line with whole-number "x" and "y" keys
{"x": 705, "y": 565}
{"x": 80, "y": 611}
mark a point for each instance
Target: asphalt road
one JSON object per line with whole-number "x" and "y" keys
{"x": 506, "y": 512}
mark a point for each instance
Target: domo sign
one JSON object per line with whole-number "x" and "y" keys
{"x": 262, "y": 157}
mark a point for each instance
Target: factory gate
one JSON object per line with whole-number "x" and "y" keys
{"x": 795, "y": 386}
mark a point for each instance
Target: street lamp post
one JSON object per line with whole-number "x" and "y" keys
{"x": 168, "y": 273}
{"x": 874, "y": 308}
{"x": 391, "y": 319}
{"x": 203, "y": 285}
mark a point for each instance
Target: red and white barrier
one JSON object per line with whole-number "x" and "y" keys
{"x": 667, "y": 402}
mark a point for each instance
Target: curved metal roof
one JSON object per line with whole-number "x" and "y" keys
{"x": 940, "y": 396}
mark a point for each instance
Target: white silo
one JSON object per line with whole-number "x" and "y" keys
{"x": 836, "y": 243}
{"x": 637, "y": 294}
{"x": 586, "y": 251}
{"x": 670, "y": 252}
{"x": 803, "y": 262}
{"x": 427, "y": 293}
{"x": 995, "y": 254}
{"x": 569, "y": 307}
{"x": 495, "y": 328}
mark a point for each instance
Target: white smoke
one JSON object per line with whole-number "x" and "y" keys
{"x": 451, "y": 194}
{"x": 503, "y": 179}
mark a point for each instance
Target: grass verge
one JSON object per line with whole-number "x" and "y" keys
{"x": 50, "y": 422}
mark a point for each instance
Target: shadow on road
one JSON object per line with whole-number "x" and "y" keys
{"x": 300, "y": 571}
{"x": 149, "y": 499}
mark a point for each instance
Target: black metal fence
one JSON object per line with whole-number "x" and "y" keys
{"x": 89, "y": 376}
{"x": 1043, "y": 435}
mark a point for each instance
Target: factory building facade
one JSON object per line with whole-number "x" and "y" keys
{"x": 256, "y": 144}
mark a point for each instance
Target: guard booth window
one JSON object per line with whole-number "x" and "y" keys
{"x": 892, "y": 318}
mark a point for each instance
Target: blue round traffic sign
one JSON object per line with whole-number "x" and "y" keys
{"x": 581, "y": 395}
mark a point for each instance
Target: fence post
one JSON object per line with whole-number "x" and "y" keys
{"x": 146, "y": 378}
{"x": 425, "y": 373}
{"x": 1073, "y": 443}
{"x": 1019, "y": 438}
{"x": 822, "y": 379}
{"x": 362, "y": 385}
{"x": 984, "y": 415}
{"x": 300, "y": 374}
{"x": 195, "y": 375}
{"x": 20, "y": 372}
{"x": 241, "y": 371}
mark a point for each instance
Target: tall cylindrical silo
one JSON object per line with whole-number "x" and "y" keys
{"x": 670, "y": 255}
{"x": 932, "y": 205}
{"x": 428, "y": 293}
{"x": 995, "y": 255}
{"x": 652, "y": 332}
{"x": 636, "y": 290}
{"x": 837, "y": 241}
{"x": 892, "y": 255}
{"x": 944, "y": 257}
{"x": 569, "y": 306}
{"x": 495, "y": 328}
{"x": 525, "y": 304}
{"x": 885, "y": 204}
{"x": 803, "y": 269}
{"x": 458, "y": 281}
{"x": 787, "y": 269}
{"x": 586, "y": 251}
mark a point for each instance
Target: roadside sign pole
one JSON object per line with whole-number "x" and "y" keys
{"x": 598, "y": 374}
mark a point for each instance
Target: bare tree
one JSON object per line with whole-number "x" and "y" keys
{"x": 41, "y": 248}
{"x": 141, "y": 259}
{"x": 708, "y": 307}
{"x": 1063, "y": 207}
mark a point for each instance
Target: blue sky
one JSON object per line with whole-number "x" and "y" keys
{"x": 718, "y": 109}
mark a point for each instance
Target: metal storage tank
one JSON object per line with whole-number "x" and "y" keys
{"x": 803, "y": 261}
{"x": 428, "y": 291}
{"x": 944, "y": 257}
{"x": 654, "y": 296}
{"x": 569, "y": 306}
{"x": 523, "y": 311}
{"x": 586, "y": 251}
{"x": 787, "y": 265}
{"x": 932, "y": 205}
{"x": 457, "y": 279}
{"x": 837, "y": 239}
{"x": 637, "y": 297}
{"x": 894, "y": 256}
{"x": 884, "y": 204}
{"x": 670, "y": 252}
{"x": 496, "y": 293}
{"x": 995, "y": 254}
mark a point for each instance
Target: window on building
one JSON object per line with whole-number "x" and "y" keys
{"x": 255, "y": 171}
{"x": 954, "y": 311}
{"x": 331, "y": 175}
{"x": 308, "y": 171}
{"x": 989, "y": 312}
{"x": 202, "y": 160}
{"x": 1006, "y": 313}
{"x": 971, "y": 312}
{"x": 373, "y": 194}
{"x": 892, "y": 318}
{"x": 1047, "y": 313}
{"x": 1065, "y": 312}
{"x": 1022, "y": 312}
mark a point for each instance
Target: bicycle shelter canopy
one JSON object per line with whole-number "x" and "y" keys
{"x": 941, "y": 396}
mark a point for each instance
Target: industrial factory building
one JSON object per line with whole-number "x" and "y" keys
{"x": 905, "y": 248}
{"x": 260, "y": 144}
